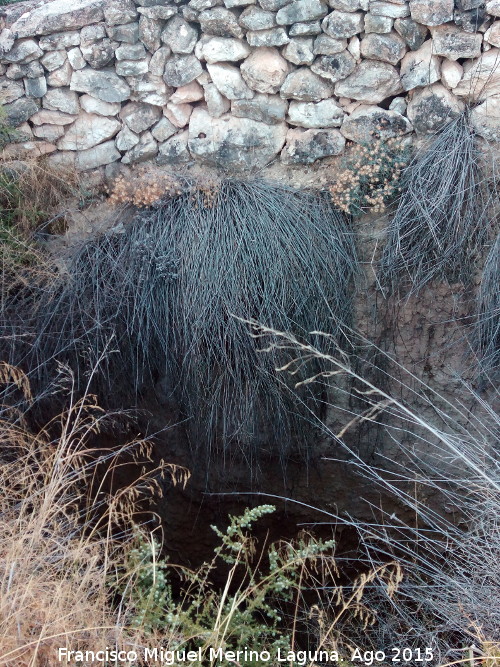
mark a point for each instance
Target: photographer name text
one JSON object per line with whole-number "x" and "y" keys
{"x": 161, "y": 656}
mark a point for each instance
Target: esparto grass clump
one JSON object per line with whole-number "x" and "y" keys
{"x": 443, "y": 213}
{"x": 486, "y": 337}
{"x": 160, "y": 302}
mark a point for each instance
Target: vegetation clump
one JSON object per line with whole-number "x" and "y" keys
{"x": 369, "y": 176}
{"x": 443, "y": 213}
{"x": 160, "y": 300}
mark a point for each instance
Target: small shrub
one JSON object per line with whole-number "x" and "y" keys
{"x": 369, "y": 176}
{"x": 144, "y": 187}
{"x": 247, "y": 613}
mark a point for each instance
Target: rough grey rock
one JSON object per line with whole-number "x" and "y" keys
{"x": 222, "y": 49}
{"x": 468, "y": 4}
{"x": 492, "y": 35}
{"x": 130, "y": 52}
{"x": 60, "y": 77}
{"x": 305, "y": 29}
{"x": 46, "y": 117}
{"x": 301, "y": 10}
{"x": 146, "y": 149}
{"x": 229, "y": 81}
{"x": 256, "y": 18}
{"x": 367, "y": 123}
{"x": 193, "y": 92}
{"x": 15, "y": 72}
{"x": 354, "y": 48}
{"x": 106, "y": 85}
{"x": 91, "y": 34}
{"x": 398, "y": 104}
{"x": 174, "y": 150}
{"x": 7, "y": 39}
{"x": 220, "y": 22}
{"x": 481, "y": 77}
{"x": 93, "y": 105}
{"x": 485, "y": 119}
{"x": 334, "y": 68}
{"x": 476, "y": 19}
{"x": 328, "y": 46}
{"x": 265, "y": 70}
{"x": 421, "y": 67}
{"x": 343, "y": 24}
{"x": 33, "y": 70}
{"x": 128, "y": 33}
{"x": 451, "y": 73}
{"x": 98, "y": 54}
{"x": 240, "y": 142}
{"x": 413, "y": 33}
{"x": 378, "y": 24}
{"x": 119, "y": 11}
{"x": 59, "y": 15}
{"x": 431, "y": 108}
{"x": 393, "y": 11}
{"x": 35, "y": 87}
{"x": 493, "y": 7}
{"x": 201, "y": 5}
{"x": 163, "y": 130}
{"x": 307, "y": 146}
{"x": 264, "y": 108}
{"x": 10, "y": 90}
{"x": 179, "y": 35}
{"x": 372, "y": 81}
{"x": 59, "y": 40}
{"x": 23, "y": 51}
{"x": 20, "y": 110}
{"x": 159, "y": 12}
{"x": 349, "y": 5}
{"x": 238, "y": 3}
{"x": 139, "y": 117}
{"x": 87, "y": 131}
{"x": 132, "y": 67}
{"x": 273, "y": 5}
{"x": 150, "y": 33}
{"x": 149, "y": 89}
{"x": 315, "y": 114}
{"x": 97, "y": 156}
{"x": 306, "y": 86}
{"x": 178, "y": 114}
{"x": 299, "y": 51}
{"x": 452, "y": 43}
{"x": 182, "y": 69}
{"x": 271, "y": 37}
{"x": 159, "y": 60}
{"x": 126, "y": 139}
{"x": 217, "y": 104}
{"x": 431, "y": 12}
{"x": 48, "y": 132}
{"x": 53, "y": 59}
{"x": 62, "y": 99}
{"x": 389, "y": 48}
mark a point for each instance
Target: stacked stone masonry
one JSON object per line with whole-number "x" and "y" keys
{"x": 239, "y": 83}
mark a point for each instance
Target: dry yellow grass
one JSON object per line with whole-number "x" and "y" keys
{"x": 57, "y": 547}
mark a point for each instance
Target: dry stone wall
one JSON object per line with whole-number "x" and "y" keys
{"x": 239, "y": 83}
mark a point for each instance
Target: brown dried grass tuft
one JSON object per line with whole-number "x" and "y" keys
{"x": 57, "y": 543}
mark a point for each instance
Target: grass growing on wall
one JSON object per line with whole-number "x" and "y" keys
{"x": 487, "y": 329}
{"x": 160, "y": 300}
{"x": 442, "y": 217}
